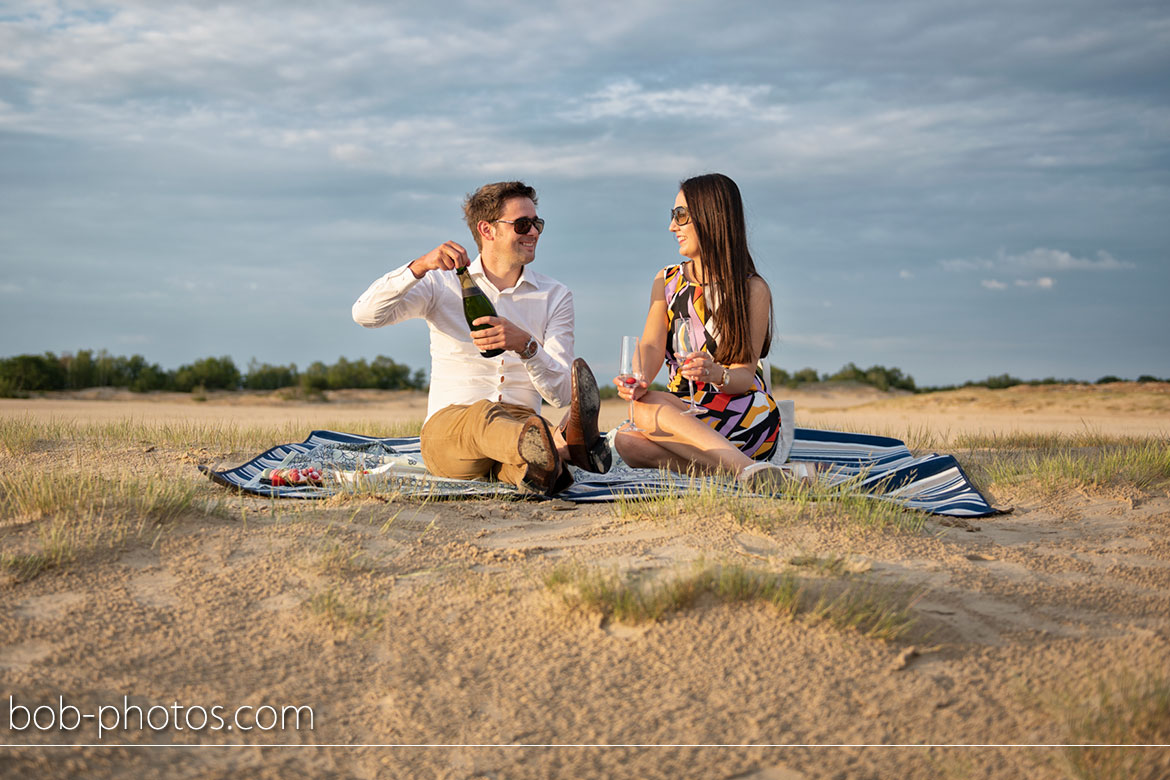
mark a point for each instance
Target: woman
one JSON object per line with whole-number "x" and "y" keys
{"x": 717, "y": 291}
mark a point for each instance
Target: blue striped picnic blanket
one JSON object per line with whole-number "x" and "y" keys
{"x": 878, "y": 466}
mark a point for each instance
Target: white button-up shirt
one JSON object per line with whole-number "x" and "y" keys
{"x": 459, "y": 374}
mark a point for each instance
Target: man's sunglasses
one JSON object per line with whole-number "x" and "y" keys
{"x": 524, "y": 224}
{"x": 680, "y": 215}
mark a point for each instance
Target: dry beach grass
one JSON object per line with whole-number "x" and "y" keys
{"x": 706, "y": 629}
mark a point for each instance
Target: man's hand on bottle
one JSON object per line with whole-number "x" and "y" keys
{"x": 445, "y": 257}
{"x": 502, "y": 334}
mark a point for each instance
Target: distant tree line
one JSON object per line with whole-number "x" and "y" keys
{"x": 878, "y": 376}
{"x": 24, "y": 374}
{"x": 1007, "y": 380}
{"x": 893, "y": 379}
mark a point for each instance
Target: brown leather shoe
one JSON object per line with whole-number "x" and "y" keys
{"x": 587, "y": 449}
{"x": 540, "y": 453}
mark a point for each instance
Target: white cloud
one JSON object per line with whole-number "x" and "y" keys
{"x": 966, "y": 265}
{"x": 342, "y": 80}
{"x": 904, "y": 274}
{"x": 1041, "y": 259}
{"x": 629, "y": 100}
{"x": 1035, "y": 260}
{"x": 1043, "y": 283}
{"x": 351, "y": 153}
{"x": 1040, "y": 283}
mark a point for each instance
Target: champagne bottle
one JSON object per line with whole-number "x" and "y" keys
{"x": 475, "y": 305}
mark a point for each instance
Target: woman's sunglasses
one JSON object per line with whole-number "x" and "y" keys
{"x": 524, "y": 224}
{"x": 680, "y": 215}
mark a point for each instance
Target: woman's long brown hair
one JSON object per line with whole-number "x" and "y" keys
{"x": 716, "y": 209}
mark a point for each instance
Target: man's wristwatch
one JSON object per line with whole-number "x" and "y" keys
{"x": 529, "y": 349}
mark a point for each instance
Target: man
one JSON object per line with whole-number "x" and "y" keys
{"x": 482, "y": 416}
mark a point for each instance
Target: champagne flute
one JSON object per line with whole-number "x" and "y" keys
{"x": 630, "y": 373}
{"x": 686, "y": 336}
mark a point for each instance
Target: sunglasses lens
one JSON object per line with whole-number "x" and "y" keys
{"x": 679, "y": 215}
{"x": 525, "y": 224}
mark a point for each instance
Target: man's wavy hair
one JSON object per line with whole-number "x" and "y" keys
{"x": 716, "y": 209}
{"x": 487, "y": 203}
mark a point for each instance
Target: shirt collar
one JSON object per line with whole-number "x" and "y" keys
{"x": 475, "y": 268}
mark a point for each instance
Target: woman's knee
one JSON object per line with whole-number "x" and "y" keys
{"x": 660, "y": 398}
{"x": 648, "y": 408}
{"x": 633, "y": 448}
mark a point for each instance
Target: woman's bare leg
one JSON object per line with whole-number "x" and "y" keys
{"x": 680, "y": 442}
{"x": 642, "y": 453}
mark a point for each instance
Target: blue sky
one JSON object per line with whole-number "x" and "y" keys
{"x": 955, "y": 189}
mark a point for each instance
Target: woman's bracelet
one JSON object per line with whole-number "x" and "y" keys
{"x": 726, "y": 378}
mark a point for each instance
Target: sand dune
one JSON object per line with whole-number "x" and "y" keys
{"x": 405, "y": 622}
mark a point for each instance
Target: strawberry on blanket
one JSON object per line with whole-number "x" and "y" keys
{"x": 308, "y": 475}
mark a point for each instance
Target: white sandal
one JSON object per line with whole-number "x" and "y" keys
{"x": 762, "y": 477}
{"x": 805, "y": 472}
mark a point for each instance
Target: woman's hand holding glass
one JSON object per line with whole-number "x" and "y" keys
{"x": 631, "y": 391}
{"x": 701, "y": 367}
{"x": 630, "y": 380}
{"x": 687, "y": 342}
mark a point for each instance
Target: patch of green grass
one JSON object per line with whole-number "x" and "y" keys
{"x": 381, "y": 487}
{"x": 58, "y": 546}
{"x": 25, "y": 566}
{"x": 1127, "y": 710}
{"x": 19, "y": 434}
{"x": 635, "y": 601}
{"x": 864, "y": 609}
{"x": 743, "y": 584}
{"x": 799, "y": 502}
{"x": 638, "y": 600}
{"x": 922, "y": 438}
{"x": 829, "y": 564}
{"x": 160, "y": 497}
{"x": 1143, "y": 464}
{"x": 918, "y": 438}
{"x": 701, "y": 497}
{"x": 345, "y": 613}
{"x": 848, "y": 503}
{"x": 341, "y": 560}
{"x": 76, "y": 511}
{"x": 1034, "y": 440}
{"x": 1088, "y": 459}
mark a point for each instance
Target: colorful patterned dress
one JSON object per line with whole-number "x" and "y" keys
{"x": 750, "y": 420}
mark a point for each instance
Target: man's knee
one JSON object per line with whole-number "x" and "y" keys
{"x": 467, "y": 441}
{"x": 440, "y": 445}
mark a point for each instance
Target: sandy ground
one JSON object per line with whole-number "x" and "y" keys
{"x": 444, "y": 634}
